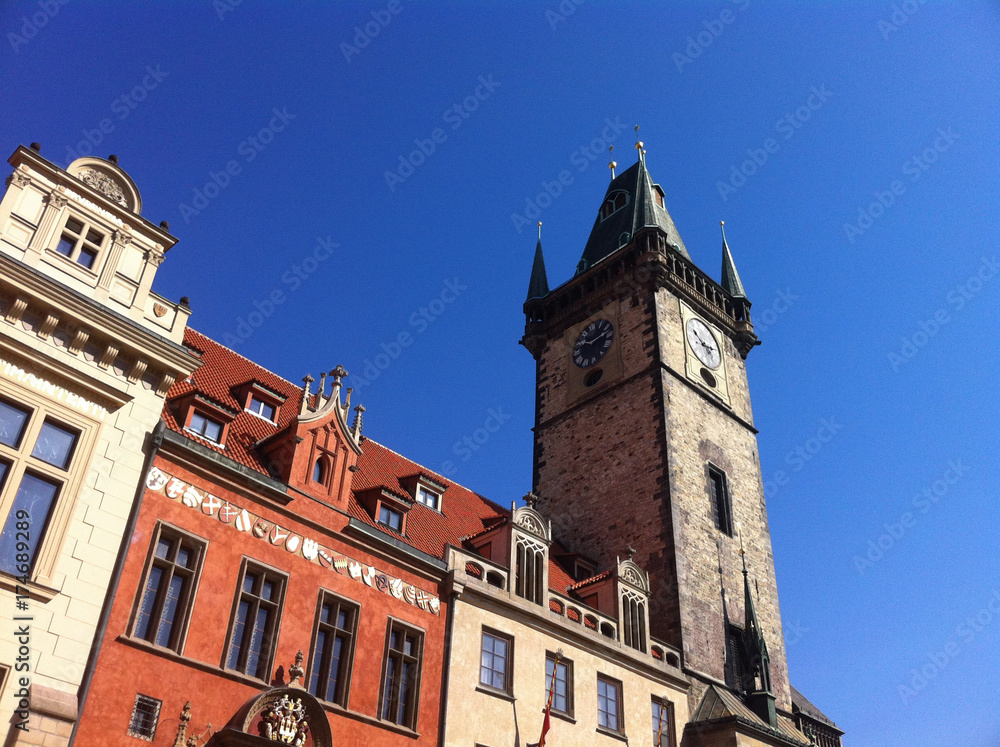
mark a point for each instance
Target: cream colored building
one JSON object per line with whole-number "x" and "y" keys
{"x": 87, "y": 352}
{"x": 508, "y": 628}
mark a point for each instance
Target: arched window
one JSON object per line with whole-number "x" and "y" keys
{"x": 319, "y": 471}
{"x": 633, "y": 621}
{"x": 529, "y": 571}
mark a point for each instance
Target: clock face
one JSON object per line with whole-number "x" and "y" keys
{"x": 703, "y": 343}
{"x": 593, "y": 343}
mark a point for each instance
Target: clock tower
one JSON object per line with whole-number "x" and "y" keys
{"x": 644, "y": 437}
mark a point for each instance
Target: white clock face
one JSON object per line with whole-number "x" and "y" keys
{"x": 703, "y": 343}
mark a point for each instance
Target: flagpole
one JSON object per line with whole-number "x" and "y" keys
{"x": 548, "y": 706}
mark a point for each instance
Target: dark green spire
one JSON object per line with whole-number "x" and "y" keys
{"x": 631, "y": 203}
{"x": 538, "y": 286}
{"x": 730, "y": 278}
{"x": 757, "y": 667}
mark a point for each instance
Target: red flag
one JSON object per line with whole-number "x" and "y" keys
{"x": 548, "y": 706}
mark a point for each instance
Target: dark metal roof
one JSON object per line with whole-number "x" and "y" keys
{"x": 730, "y": 278}
{"x": 538, "y": 286}
{"x": 641, "y": 210}
{"x": 802, "y": 704}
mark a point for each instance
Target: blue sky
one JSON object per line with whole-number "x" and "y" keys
{"x": 850, "y": 147}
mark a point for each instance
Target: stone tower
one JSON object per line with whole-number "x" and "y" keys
{"x": 644, "y": 436}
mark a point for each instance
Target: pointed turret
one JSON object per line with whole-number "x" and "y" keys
{"x": 632, "y": 202}
{"x": 730, "y": 278}
{"x": 538, "y": 286}
{"x": 757, "y": 667}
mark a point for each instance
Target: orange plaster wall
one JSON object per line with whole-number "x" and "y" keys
{"x": 124, "y": 669}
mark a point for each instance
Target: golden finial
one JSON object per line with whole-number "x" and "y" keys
{"x": 539, "y": 230}
{"x": 739, "y": 531}
{"x": 614, "y": 163}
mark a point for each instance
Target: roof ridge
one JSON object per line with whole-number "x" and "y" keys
{"x": 240, "y": 355}
{"x": 436, "y": 474}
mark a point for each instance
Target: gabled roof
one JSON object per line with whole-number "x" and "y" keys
{"x": 223, "y": 370}
{"x": 719, "y": 704}
{"x": 611, "y": 233}
{"x": 464, "y": 512}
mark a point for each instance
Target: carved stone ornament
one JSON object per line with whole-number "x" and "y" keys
{"x": 56, "y": 201}
{"x": 18, "y": 179}
{"x": 632, "y": 577}
{"x": 285, "y": 722}
{"x": 159, "y": 309}
{"x": 103, "y": 184}
{"x": 528, "y": 522}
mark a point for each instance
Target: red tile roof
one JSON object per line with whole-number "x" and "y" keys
{"x": 464, "y": 513}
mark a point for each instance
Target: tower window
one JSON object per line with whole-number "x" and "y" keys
{"x": 722, "y": 508}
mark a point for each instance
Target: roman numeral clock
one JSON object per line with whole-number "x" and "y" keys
{"x": 594, "y": 354}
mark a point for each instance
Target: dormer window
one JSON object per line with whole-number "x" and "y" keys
{"x": 615, "y": 202}
{"x": 425, "y": 489}
{"x": 391, "y": 518}
{"x": 80, "y": 243}
{"x": 428, "y": 497}
{"x": 262, "y": 409}
{"x": 205, "y": 427}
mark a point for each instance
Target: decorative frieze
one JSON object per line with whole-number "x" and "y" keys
{"x": 264, "y": 530}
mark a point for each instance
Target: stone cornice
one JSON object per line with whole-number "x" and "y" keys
{"x": 127, "y": 336}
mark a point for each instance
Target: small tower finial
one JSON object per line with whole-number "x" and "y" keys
{"x": 630, "y": 551}
{"x": 307, "y": 380}
{"x": 358, "y": 412}
{"x": 296, "y": 671}
{"x": 530, "y": 499}
{"x": 539, "y": 230}
{"x": 614, "y": 164}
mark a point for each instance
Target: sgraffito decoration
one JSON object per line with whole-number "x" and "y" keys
{"x": 245, "y": 522}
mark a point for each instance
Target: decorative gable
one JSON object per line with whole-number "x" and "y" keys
{"x": 317, "y": 452}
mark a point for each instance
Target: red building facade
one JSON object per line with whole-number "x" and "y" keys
{"x": 268, "y": 526}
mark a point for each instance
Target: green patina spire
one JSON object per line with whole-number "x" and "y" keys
{"x": 538, "y": 286}
{"x": 730, "y": 278}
